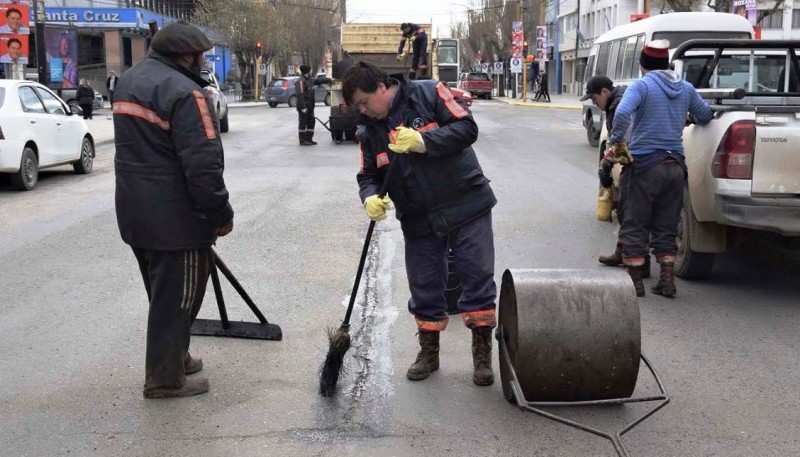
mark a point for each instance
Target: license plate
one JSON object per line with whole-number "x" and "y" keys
{"x": 272, "y": 99}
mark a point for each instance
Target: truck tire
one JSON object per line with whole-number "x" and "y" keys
{"x": 592, "y": 134}
{"x": 690, "y": 264}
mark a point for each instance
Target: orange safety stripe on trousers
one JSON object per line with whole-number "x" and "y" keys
{"x": 432, "y": 326}
{"x": 450, "y": 102}
{"x": 133, "y": 109}
{"x": 205, "y": 116}
{"x": 483, "y": 318}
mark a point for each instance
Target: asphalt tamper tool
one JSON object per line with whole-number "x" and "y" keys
{"x": 572, "y": 338}
{"x": 340, "y": 339}
{"x": 261, "y": 330}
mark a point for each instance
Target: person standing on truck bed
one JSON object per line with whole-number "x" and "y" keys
{"x": 658, "y": 103}
{"x": 419, "y": 46}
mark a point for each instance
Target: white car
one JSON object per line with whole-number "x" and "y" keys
{"x": 38, "y": 130}
{"x": 218, "y": 98}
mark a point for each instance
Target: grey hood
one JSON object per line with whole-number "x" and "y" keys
{"x": 668, "y": 81}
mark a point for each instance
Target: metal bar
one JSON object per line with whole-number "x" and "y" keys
{"x": 225, "y": 271}
{"x": 223, "y": 315}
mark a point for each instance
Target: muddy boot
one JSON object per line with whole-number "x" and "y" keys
{"x": 190, "y": 387}
{"x": 636, "y": 277}
{"x": 613, "y": 260}
{"x": 482, "y": 356}
{"x": 192, "y": 365}
{"x": 666, "y": 281}
{"x": 428, "y": 358}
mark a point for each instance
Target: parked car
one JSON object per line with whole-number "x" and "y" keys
{"x": 478, "y": 84}
{"x": 462, "y": 94}
{"x": 214, "y": 91}
{"x": 281, "y": 90}
{"x": 70, "y": 96}
{"x": 39, "y": 130}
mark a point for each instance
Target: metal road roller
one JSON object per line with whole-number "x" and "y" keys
{"x": 572, "y": 338}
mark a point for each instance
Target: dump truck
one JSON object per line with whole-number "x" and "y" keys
{"x": 373, "y": 43}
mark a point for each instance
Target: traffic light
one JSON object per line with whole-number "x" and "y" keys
{"x": 259, "y": 45}
{"x": 525, "y": 48}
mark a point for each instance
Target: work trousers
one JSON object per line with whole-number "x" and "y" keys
{"x": 306, "y": 121}
{"x": 652, "y": 211}
{"x": 426, "y": 267}
{"x": 176, "y": 283}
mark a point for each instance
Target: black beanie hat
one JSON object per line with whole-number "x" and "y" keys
{"x": 655, "y": 55}
{"x": 304, "y": 69}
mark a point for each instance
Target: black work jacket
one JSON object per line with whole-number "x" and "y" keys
{"x": 304, "y": 88}
{"x": 436, "y": 191}
{"x": 613, "y": 102}
{"x": 170, "y": 194}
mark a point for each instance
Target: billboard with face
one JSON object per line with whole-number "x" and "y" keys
{"x": 62, "y": 56}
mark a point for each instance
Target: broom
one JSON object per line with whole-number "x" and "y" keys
{"x": 339, "y": 340}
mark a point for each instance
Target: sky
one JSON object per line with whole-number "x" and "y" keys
{"x": 441, "y": 13}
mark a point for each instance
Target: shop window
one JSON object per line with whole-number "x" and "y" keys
{"x": 90, "y": 50}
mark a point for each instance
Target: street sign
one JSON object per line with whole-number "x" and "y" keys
{"x": 291, "y": 69}
{"x": 485, "y": 67}
{"x": 213, "y": 57}
{"x": 262, "y": 68}
{"x": 516, "y": 65}
{"x": 498, "y": 68}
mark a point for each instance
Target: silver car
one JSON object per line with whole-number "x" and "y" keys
{"x": 218, "y": 98}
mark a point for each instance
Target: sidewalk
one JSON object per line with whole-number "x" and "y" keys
{"x": 560, "y": 101}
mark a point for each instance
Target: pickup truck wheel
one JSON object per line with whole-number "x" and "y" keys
{"x": 272, "y": 105}
{"x": 488, "y": 96}
{"x": 223, "y": 124}
{"x": 592, "y": 134}
{"x": 690, "y": 264}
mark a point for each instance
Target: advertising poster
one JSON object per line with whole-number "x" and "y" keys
{"x": 14, "y": 18}
{"x": 517, "y": 40}
{"x": 747, "y": 9}
{"x": 541, "y": 43}
{"x": 13, "y": 49}
{"x": 62, "y": 56}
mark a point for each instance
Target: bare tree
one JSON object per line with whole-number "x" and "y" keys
{"x": 311, "y": 27}
{"x": 721, "y": 6}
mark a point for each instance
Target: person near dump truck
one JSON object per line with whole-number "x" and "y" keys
{"x": 304, "y": 88}
{"x": 441, "y": 198}
{"x": 658, "y": 103}
{"x": 601, "y": 90}
{"x": 171, "y": 200}
{"x": 419, "y": 49}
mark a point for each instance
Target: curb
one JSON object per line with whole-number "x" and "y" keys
{"x": 530, "y": 104}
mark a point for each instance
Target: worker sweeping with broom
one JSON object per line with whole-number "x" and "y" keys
{"x": 417, "y": 145}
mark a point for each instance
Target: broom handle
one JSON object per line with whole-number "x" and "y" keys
{"x": 346, "y": 322}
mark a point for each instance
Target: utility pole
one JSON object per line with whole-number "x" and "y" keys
{"x": 41, "y": 56}
{"x": 577, "y": 44}
{"x": 524, "y": 51}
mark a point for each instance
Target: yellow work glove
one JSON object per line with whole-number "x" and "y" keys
{"x": 620, "y": 154}
{"x": 401, "y": 56}
{"x": 407, "y": 140}
{"x": 376, "y": 207}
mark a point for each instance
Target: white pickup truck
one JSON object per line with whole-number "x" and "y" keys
{"x": 744, "y": 166}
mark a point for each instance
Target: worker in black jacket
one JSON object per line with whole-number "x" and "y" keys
{"x": 419, "y": 48}
{"x": 441, "y": 197}
{"x": 304, "y": 87}
{"x": 171, "y": 200}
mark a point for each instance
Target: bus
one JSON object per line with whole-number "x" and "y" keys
{"x": 449, "y": 64}
{"x": 616, "y": 53}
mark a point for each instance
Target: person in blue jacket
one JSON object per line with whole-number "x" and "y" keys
{"x": 419, "y": 48}
{"x": 655, "y": 107}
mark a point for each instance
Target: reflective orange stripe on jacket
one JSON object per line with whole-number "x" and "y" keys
{"x": 133, "y": 109}
{"x": 450, "y": 102}
{"x": 208, "y": 121}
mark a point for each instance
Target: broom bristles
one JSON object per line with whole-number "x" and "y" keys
{"x": 339, "y": 344}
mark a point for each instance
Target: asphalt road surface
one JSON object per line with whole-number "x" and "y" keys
{"x": 74, "y": 311}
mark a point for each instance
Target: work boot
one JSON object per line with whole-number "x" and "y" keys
{"x": 613, "y": 260}
{"x": 666, "y": 281}
{"x": 192, "y": 365}
{"x": 311, "y": 138}
{"x": 428, "y": 358}
{"x": 304, "y": 139}
{"x": 191, "y": 386}
{"x": 636, "y": 276}
{"x": 482, "y": 356}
